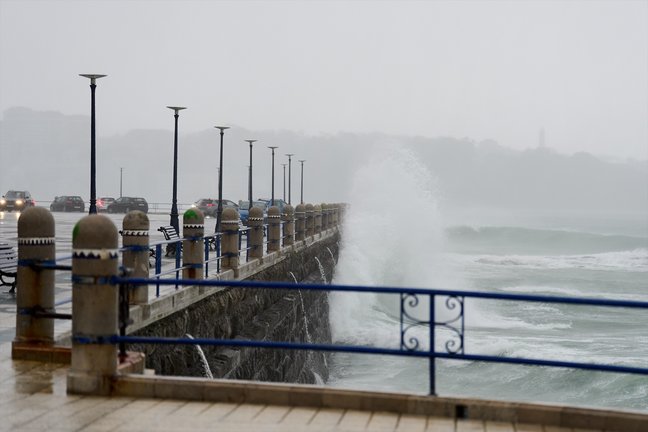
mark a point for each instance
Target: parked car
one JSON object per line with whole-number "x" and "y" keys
{"x": 244, "y": 209}
{"x": 103, "y": 203}
{"x": 68, "y": 203}
{"x": 16, "y": 200}
{"x": 209, "y": 206}
{"x": 126, "y": 204}
{"x": 277, "y": 202}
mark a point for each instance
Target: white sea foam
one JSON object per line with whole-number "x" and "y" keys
{"x": 632, "y": 260}
{"x": 541, "y": 289}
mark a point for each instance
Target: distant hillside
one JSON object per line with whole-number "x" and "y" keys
{"x": 48, "y": 153}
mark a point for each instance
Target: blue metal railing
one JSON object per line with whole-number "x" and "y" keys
{"x": 451, "y": 341}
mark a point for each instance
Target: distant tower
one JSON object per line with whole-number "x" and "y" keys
{"x": 541, "y": 138}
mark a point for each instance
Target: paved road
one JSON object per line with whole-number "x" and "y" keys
{"x": 65, "y": 223}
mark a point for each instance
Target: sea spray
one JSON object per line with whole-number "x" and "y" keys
{"x": 333, "y": 262}
{"x": 308, "y": 336}
{"x": 321, "y": 269}
{"x": 332, "y": 256}
{"x": 309, "y": 354}
{"x": 203, "y": 360}
{"x": 393, "y": 236}
{"x": 301, "y": 299}
{"x": 293, "y": 276}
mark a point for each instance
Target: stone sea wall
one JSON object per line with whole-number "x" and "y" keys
{"x": 254, "y": 314}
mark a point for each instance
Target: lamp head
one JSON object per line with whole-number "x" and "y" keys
{"x": 222, "y": 128}
{"x": 176, "y": 108}
{"x": 93, "y": 77}
{"x": 251, "y": 141}
{"x": 273, "y": 147}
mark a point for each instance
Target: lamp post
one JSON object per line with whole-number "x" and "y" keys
{"x": 250, "y": 141}
{"x": 284, "y": 196}
{"x": 273, "y": 149}
{"x": 302, "y": 180}
{"x": 174, "y": 200}
{"x": 93, "y": 165}
{"x": 290, "y": 155}
{"x": 121, "y": 175}
{"x": 219, "y": 211}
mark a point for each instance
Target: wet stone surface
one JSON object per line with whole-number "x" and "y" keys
{"x": 254, "y": 314}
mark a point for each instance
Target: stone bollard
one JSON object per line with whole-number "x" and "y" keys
{"x": 289, "y": 226}
{"x": 35, "y": 288}
{"x": 317, "y": 217}
{"x": 255, "y": 234}
{"x": 94, "y": 305}
{"x": 310, "y": 220}
{"x": 193, "y": 249}
{"x": 300, "y": 225}
{"x": 135, "y": 236}
{"x": 274, "y": 229}
{"x": 229, "y": 242}
{"x": 325, "y": 218}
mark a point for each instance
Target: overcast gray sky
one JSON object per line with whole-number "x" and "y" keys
{"x": 478, "y": 69}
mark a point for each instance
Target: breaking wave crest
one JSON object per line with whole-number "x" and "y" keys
{"x": 504, "y": 240}
{"x": 631, "y": 260}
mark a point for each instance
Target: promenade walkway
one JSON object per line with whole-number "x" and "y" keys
{"x": 33, "y": 398}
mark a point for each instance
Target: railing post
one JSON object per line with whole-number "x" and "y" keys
{"x": 255, "y": 233}
{"x": 135, "y": 238}
{"x": 289, "y": 226}
{"x": 432, "y": 351}
{"x": 230, "y": 229}
{"x": 336, "y": 214}
{"x": 193, "y": 231}
{"x": 35, "y": 287}
{"x": 317, "y": 213}
{"x": 300, "y": 214}
{"x": 325, "y": 217}
{"x": 310, "y": 220}
{"x": 94, "y": 305}
{"x": 274, "y": 229}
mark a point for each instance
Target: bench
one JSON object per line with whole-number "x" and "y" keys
{"x": 8, "y": 266}
{"x": 170, "y": 233}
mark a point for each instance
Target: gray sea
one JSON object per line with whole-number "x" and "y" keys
{"x": 419, "y": 243}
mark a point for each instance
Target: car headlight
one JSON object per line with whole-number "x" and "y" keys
{"x": 3, "y": 201}
{"x": 19, "y": 202}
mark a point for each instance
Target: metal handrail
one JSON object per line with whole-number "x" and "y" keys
{"x": 409, "y": 344}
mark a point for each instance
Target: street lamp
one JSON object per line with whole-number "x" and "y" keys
{"x": 250, "y": 141}
{"x": 219, "y": 212}
{"x": 121, "y": 175}
{"x": 290, "y": 155}
{"x": 302, "y": 180}
{"x": 273, "y": 149}
{"x": 93, "y": 165}
{"x": 284, "y": 197}
{"x": 174, "y": 200}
